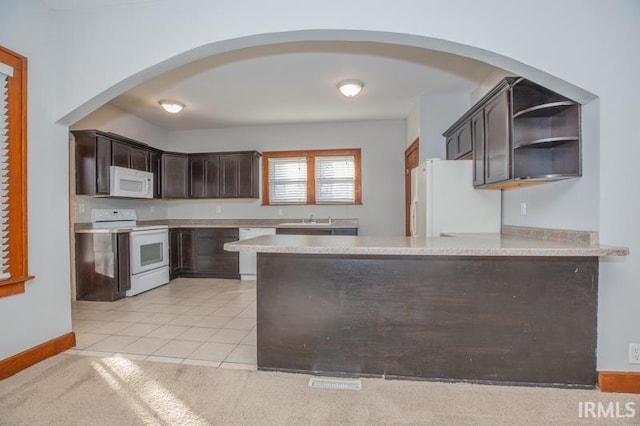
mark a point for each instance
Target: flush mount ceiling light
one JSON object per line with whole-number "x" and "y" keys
{"x": 173, "y": 107}
{"x": 350, "y": 88}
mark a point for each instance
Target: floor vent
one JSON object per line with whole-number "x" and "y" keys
{"x": 329, "y": 383}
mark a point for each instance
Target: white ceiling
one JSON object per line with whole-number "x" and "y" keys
{"x": 296, "y": 83}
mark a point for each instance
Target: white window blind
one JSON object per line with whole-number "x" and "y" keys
{"x": 288, "y": 180}
{"x": 335, "y": 179}
{"x": 5, "y": 73}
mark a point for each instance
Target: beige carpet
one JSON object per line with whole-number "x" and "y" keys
{"x": 78, "y": 390}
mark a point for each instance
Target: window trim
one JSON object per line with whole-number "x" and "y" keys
{"x": 311, "y": 173}
{"x": 18, "y": 218}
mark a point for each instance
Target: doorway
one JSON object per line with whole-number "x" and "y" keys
{"x": 411, "y": 160}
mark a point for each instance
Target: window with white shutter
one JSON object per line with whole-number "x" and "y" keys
{"x": 329, "y": 176}
{"x": 288, "y": 180}
{"x": 13, "y": 173}
{"x": 5, "y": 72}
{"x": 335, "y": 180}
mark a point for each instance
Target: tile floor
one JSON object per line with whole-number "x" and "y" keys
{"x": 197, "y": 321}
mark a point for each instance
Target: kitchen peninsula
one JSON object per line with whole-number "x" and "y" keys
{"x": 517, "y": 307}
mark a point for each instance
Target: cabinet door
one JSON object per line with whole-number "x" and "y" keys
{"x": 452, "y": 147}
{"x": 103, "y": 162}
{"x": 248, "y": 167}
{"x": 155, "y": 167}
{"x": 239, "y": 176}
{"x": 196, "y": 177}
{"x": 229, "y": 176}
{"x": 204, "y": 180}
{"x": 464, "y": 139}
{"x": 120, "y": 155}
{"x": 123, "y": 258}
{"x": 139, "y": 159}
{"x": 175, "y": 170}
{"x": 102, "y": 266}
{"x": 247, "y": 176}
{"x": 477, "y": 137}
{"x": 496, "y": 114}
{"x": 186, "y": 250}
{"x": 174, "y": 252}
{"x": 209, "y": 255}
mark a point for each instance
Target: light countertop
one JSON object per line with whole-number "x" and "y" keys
{"x": 321, "y": 223}
{"x": 464, "y": 245}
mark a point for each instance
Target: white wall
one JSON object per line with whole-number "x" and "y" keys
{"x": 77, "y": 74}
{"x": 567, "y": 204}
{"x": 109, "y": 118}
{"x": 382, "y": 144}
{"x": 430, "y": 117}
{"x": 413, "y": 123}
{"x": 437, "y": 114}
{"x": 43, "y": 311}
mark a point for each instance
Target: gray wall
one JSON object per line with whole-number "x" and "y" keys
{"x": 382, "y": 144}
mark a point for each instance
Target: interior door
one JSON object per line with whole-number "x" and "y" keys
{"x": 411, "y": 161}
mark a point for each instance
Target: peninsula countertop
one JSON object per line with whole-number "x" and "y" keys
{"x": 464, "y": 245}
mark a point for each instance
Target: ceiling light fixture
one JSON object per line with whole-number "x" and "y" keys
{"x": 171, "y": 106}
{"x": 350, "y": 88}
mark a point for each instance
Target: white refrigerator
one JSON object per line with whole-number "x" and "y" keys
{"x": 445, "y": 201}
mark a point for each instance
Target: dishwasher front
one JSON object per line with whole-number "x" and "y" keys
{"x": 248, "y": 264}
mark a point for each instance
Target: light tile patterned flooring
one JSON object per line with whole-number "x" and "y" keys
{"x": 196, "y": 321}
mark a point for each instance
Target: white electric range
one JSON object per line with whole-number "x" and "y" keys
{"x": 148, "y": 247}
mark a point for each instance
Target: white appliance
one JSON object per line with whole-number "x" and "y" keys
{"x": 148, "y": 247}
{"x": 124, "y": 182}
{"x": 248, "y": 260}
{"x": 445, "y": 201}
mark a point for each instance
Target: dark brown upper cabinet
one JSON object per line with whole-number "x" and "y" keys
{"x": 459, "y": 143}
{"x": 204, "y": 176}
{"x": 239, "y": 175}
{"x": 131, "y": 157}
{"x": 175, "y": 173}
{"x": 521, "y": 133}
{"x": 96, "y": 151}
{"x": 224, "y": 175}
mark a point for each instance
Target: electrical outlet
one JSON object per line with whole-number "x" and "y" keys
{"x": 280, "y": 212}
{"x": 634, "y": 353}
{"x": 523, "y": 209}
{"x": 218, "y": 209}
{"x": 151, "y": 209}
{"x": 80, "y": 208}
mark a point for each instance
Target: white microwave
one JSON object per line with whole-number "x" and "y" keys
{"x": 130, "y": 183}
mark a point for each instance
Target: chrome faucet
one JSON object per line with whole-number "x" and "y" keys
{"x": 312, "y": 218}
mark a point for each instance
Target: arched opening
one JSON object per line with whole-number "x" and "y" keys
{"x": 265, "y": 40}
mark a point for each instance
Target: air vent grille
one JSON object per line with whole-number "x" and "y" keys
{"x": 331, "y": 383}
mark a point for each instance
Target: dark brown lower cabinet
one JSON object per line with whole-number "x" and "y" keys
{"x": 199, "y": 252}
{"x": 102, "y": 266}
